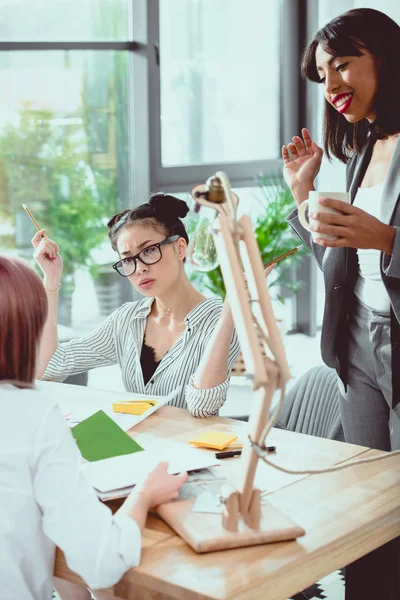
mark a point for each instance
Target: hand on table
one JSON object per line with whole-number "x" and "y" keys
{"x": 159, "y": 487}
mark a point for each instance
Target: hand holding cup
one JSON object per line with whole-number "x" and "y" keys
{"x": 334, "y": 223}
{"x": 314, "y": 206}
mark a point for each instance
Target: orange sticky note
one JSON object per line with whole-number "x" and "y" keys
{"x": 217, "y": 440}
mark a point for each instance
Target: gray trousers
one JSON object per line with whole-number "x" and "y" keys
{"x": 369, "y": 420}
{"x": 367, "y": 416}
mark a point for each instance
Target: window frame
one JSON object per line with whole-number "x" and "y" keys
{"x": 299, "y": 20}
{"x": 241, "y": 174}
{"x": 136, "y": 47}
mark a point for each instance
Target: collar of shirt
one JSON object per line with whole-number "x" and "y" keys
{"x": 197, "y": 314}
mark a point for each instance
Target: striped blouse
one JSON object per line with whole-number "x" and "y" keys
{"x": 119, "y": 340}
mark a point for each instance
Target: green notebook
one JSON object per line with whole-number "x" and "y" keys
{"x": 99, "y": 437}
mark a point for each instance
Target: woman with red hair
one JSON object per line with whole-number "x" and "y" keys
{"x": 45, "y": 498}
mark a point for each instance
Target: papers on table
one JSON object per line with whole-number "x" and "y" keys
{"x": 78, "y": 403}
{"x": 125, "y": 471}
{"x": 208, "y": 502}
{"x": 98, "y": 438}
{"x": 114, "y": 477}
{"x": 198, "y": 481}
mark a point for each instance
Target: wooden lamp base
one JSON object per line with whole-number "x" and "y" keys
{"x": 206, "y": 532}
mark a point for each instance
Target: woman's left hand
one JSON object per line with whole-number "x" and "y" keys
{"x": 354, "y": 227}
{"x": 268, "y": 270}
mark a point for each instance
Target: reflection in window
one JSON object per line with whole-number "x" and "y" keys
{"x": 64, "y": 152}
{"x": 64, "y": 20}
{"x": 219, "y": 75}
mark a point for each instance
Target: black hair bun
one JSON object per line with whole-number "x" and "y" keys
{"x": 168, "y": 207}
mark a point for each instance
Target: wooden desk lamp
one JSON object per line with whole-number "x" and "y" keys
{"x": 245, "y": 520}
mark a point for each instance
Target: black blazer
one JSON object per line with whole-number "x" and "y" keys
{"x": 340, "y": 270}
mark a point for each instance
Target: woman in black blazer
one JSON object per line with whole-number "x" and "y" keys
{"x": 355, "y": 58}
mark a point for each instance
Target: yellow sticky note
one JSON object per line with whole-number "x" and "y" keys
{"x": 217, "y": 440}
{"x": 237, "y": 445}
{"x": 133, "y": 407}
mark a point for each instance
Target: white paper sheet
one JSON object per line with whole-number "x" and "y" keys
{"x": 125, "y": 471}
{"x": 78, "y": 402}
{"x": 208, "y": 502}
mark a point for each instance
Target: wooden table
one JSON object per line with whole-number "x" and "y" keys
{"x": 346, "y": 515}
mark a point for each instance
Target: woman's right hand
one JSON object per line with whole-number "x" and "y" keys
{"x": 301, "y": 168}
{"x": 159, "y": 487}
{"x": 48, "y": 258}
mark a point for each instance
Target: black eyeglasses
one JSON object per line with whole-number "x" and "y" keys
{"x": 148, "y": 256}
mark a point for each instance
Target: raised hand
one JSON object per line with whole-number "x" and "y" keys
{"x": 48, "y": 258}
{"x": 301, "y": 168}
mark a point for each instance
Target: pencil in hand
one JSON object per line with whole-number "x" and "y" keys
{"x": 30, "y": 215}
{"x": 282, "y": 256}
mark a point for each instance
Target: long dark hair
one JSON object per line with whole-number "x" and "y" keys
{"x": 348, "y": 35}
{"x": 162, "y": 211}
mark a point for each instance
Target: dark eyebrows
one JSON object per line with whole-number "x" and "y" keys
{"x": 330, "y": 61}
{"x": 128, "y": 253}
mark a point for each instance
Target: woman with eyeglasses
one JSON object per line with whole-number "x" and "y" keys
{"x": 45, "y": 498}
{"x": 173, "y": 337}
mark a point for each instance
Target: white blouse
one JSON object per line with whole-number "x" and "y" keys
{"x": 119, "y": 340}
{"x": 369, "y": 287}
{"x": 46, "y": 501}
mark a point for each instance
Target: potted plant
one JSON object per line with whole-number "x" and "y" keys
{"x": 76, "y": 206}
{"x": 77, "y": 223}
{"x": 48, "y": 166}
{"x": 274, "y": 237}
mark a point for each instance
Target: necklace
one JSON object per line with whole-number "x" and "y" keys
{"x": 163, "y": 310}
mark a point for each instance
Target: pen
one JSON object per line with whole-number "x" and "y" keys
{"x": 228, "y": 454}
{"x": 231, "y": 453}
{"x": 30, "y": 215}
{"x": 282, "y": 256}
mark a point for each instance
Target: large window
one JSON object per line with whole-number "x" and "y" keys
{"x": 64, "y": 136}
{"x": 104, "y": 101}
{"x": 64, "y": 20}
{"x": 220, "y": 80}
{"x": 216, "y": 96}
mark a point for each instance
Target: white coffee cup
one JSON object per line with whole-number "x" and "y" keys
{"x": 312, "y": 203}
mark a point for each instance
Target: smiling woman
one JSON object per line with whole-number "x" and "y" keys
{"x": 174, "y": 337}
{"x": 356, "y": 54}
{"x": 355, "y": 58}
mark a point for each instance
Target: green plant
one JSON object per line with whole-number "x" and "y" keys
{"x": 273, "y": 234}
{"x": 76, "y": 223}
{"x": 49, "y": 168}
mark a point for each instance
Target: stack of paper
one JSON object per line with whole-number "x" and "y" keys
{"x": 78, "y": 403}
{"x": 108, "y": 476}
